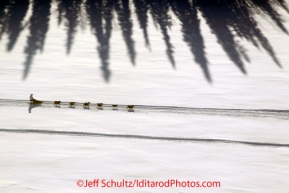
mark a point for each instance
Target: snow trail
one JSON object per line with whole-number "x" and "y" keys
{"x": 258, "y": 113}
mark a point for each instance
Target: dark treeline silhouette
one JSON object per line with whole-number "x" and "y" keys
{"x": 227, "y": 19}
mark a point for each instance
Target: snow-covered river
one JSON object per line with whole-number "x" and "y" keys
{"x": 210, "y": 91}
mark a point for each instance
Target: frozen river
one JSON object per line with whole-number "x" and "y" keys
{"x": 209, "y": 82}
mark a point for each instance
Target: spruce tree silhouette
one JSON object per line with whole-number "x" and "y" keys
{"x": 122, "y": 9}
{"x": 4, "y": 9}
{"x": 191, "y": 30}
{"x": 244, "y": 24}
{"x": 216, "y": 14}
{"x": 267, "y": 7}
{"x": 160, "y": 11}
{"x": 61, "y": 10}
{"x": 142, "y": 7}
{"x": 98, "y": 12}
{"x": 70, "y": 10}
{"x": 17, "y": 12}
{"x": 282, "y": 4}
{"x": 38, "y": 29}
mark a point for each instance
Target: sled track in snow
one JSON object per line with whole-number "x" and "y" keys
{"x": 270, "y": 113}
{"x": 143, "y": 137}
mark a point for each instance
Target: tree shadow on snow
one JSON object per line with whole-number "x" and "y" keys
{"x": 228, "y": 20}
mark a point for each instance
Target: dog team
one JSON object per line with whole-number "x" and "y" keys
{"x": 72, "y": 104}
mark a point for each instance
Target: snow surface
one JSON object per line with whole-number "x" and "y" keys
{"x": 58, "y": 146}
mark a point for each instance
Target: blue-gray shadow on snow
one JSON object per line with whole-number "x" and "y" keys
{"x": 32, "y": 106}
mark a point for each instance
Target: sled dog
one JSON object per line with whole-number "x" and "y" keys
{"x": 71, "y": 104}
{"x": 99, "y": 105}
{"x": 86, "y": 105}
{"x": 130, "y": 107}
{"x": 56, "y": 103}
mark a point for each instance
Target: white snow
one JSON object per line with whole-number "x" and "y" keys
{"x": 58, "y": 146}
